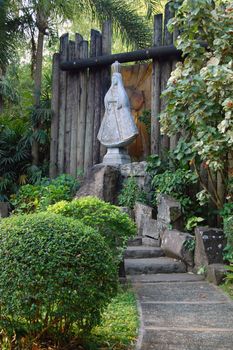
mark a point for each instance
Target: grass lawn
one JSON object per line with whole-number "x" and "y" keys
{"x": 118, "y": 330}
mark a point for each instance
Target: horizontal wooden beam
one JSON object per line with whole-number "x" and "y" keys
{"x": 159, "y": 52}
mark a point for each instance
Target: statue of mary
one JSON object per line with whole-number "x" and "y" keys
{"x": 117, "y": 129}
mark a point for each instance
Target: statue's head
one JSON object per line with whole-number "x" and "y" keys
{"x": 116, "y": 78}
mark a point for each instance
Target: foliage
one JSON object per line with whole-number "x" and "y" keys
{"x": 131, "y": 193}
{"x": 32, "y": 198}
{"x": 55, "y": 273}
{"x": 145, "y": 118}
{"x": 189, "y": 244}
{"x": 229, "y": 274}
{"x": 192, "y": 222}
{"x": 176, "y": 184}
{"x": 115, "y": 226}
{"x": 118, "y": 329}
{"x": 14, "y": 157}
{"x": 228, "y": 289}
{"x": 228, "y": 231}
{"x": 199, "y": 92}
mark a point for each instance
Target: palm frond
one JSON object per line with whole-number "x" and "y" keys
{"x": 134, "y": 28}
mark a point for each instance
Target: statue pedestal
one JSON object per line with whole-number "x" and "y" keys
{"x": 116, "y": 156}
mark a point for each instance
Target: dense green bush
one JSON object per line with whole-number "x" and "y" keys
{"x": 131, "y": 193}
{"x": 55, "y": 274}
{"x": 33, "y": 198}
{"x": 228, "y": 230}
{"x": 116, "y": 227}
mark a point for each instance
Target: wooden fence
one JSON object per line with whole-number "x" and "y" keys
{"x": 78, "y": 96}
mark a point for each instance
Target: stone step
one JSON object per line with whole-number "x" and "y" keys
{"x": 153, "y": 266}
{"x": 149, "y": 241}
{"x": 141, "y": 252}
{"x": 136, "y": 241}
{"x": 165, "y": 277}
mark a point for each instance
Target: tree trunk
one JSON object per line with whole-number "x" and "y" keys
{"x": 37, "y": 92}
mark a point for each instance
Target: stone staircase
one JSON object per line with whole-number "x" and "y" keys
{"x": 141, "y": 259}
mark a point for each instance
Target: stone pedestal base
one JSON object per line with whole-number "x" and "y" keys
{"x": 116, "y": 156}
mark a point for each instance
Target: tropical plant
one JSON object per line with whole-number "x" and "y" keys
{"x": 14, "y": 158}
{"x": 115, "y": 226}
{"x": 56, "y": 277}
{"x": 199, "y": 93}
{"x": 33, "y": 198}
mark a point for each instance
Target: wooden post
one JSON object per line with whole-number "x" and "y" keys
{"x": 106, "y": 72}
{"x": 64, "y": 43}
{"x": 75, "y": 101}
{"x": 166, "y": 69}
{"x": 156, "y": 88}
{"x": 88, "y": 158}
{"x": 97, "y": 102}
{"x": 55, "y": 116}
{"x": 70, "y": 99}
{"x": 83, "y": 51}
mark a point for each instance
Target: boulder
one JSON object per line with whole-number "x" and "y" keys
{"x": 174, "y": 246}
{"x": 101, "y": 181}
{"x": 216, "y": 273}
{"x": 142, "y": 213}
{"x": 209, "y": 247}
{"x": 169, "y": 210}
{"x": 4, "y": 209}
{"x": 128, "y": 211}
{"x": 138, "y": 171}
{"x": 150, "y": 228}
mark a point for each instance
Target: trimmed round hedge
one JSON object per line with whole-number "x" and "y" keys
{"x": 55, "y": 273}
{"x": 114, "y": 225}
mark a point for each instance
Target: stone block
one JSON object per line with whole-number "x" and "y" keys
{"x": 169, "y": 210}
{"x": 128, "y": 211}
{"x": 138, "y": 171}
{"x": 150, "y": 228}
{"x": 209, "y": 246}
{"x": 4, "y": 209}
{"x": 173, "y": 245}
{"x": 162, "y": 227}
{"x": 101, "y": 181}
{"x": 216, "y": 273}
{"x": 142, "y": 213}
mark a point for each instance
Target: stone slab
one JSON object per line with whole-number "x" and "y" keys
{"x": 165, "y": 277}
{"x": 142, "y": 213}
{"x": 187, "y": 340}
{"x": 4, "y": 209}
{"x": 150, "y": 228}
{"x": 101, "y": 181}
{"x": 202, "y": 316}
{"x": 136, "y": 241}
{"x": 192, "y": 292}
{"x": 174, "y": 245}
{"x": 152, "y": 242}
{"x": 141, "y": 252}
{"x": 153, "y": 265}
{"x": 216, "y": 273}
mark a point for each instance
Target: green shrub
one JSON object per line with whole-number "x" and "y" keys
{"x": 228, "y": 230}
{"x": 33, "y": 198}
{"x": 55, "y": 274}
{"x": 116, "y": 227}
{"x": 176, "y": 184}
{"x": 131, "y": 193}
